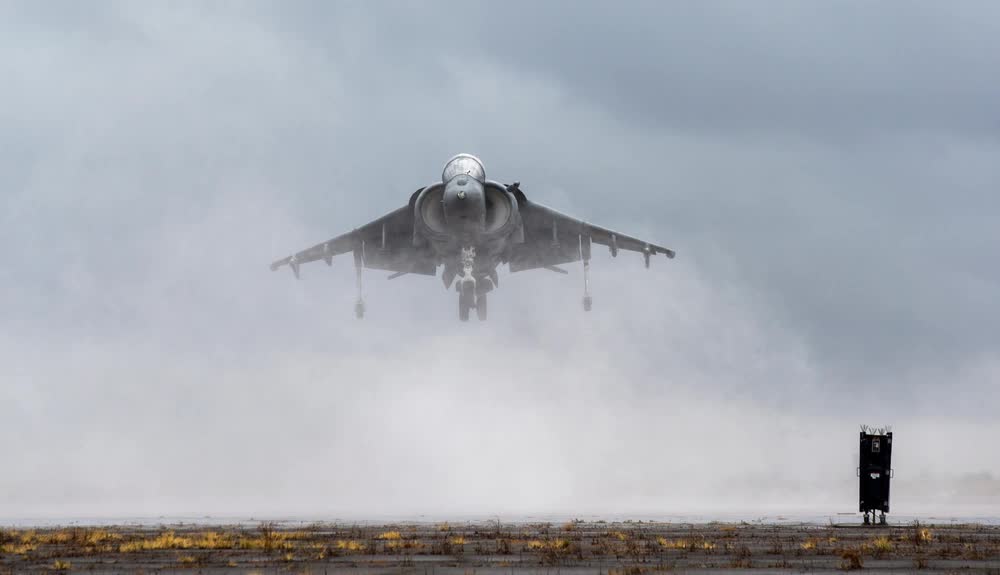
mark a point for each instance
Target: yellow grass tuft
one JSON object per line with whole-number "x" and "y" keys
{"x": 99, "y": 537}
{"x": 349, "y": 545}
{"x": 808, "y": 544}
{"x": 557, "y": 544}
{"x": 458, "y": 540}
{"x": 882, "y": 544}
{"x": 673, "y": 544}
{"x": 390, "y": 536}
{"x": 54, "y": 537}
{"x": 18, "y": 548}
{"x": 269, "y": 540}
{"x": 213, "y": 540}
{"x": 289, "y": 557}
{"x": 444, "y": 526}
{"x": 61, "y": 565}
{"x": 187, "y": 560}
{"x": 167, "y": 540}
{"x": 618, "y": 535}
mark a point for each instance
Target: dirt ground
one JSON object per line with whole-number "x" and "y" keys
{"x": 621, "y": 548}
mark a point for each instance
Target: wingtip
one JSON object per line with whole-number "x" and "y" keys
{"x": 670, "y": 253}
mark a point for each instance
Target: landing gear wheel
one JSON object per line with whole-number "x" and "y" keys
{"x": 464, "y": 305}
{"x": 466, "y": 299}
{"x": 481, "y": 307}
{"x": 588, "y": 302}
{"x": 866, "y": 519}
{"x": 359, "y": 310}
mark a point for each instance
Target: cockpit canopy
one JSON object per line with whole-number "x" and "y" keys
{"x": 464, "y": 164}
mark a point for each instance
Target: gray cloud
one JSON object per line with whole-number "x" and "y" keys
{"x": 825, "y": 172}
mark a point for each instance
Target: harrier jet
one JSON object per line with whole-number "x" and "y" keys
{"x": 470, "y": 225}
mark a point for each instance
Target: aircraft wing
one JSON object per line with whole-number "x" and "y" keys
{"x": 385, "y": 244}
{"x": 552, "y": 238}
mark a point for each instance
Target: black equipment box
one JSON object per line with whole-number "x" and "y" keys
{"x": 874, "y": 471}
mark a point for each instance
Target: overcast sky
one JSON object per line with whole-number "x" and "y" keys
{"x": 827, "y": 172}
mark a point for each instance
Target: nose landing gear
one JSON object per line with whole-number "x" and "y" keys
{"x": 468, "y": 300}
{"x": 466, "y": 297}
{"x": 471, "y": 293}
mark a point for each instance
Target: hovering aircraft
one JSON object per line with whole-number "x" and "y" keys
{"x": 470, "y": 225}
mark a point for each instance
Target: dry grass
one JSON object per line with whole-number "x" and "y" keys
{"x": 61, "y": 565}
{"x": 538, "y": 544}
{"x": 648, "y": 547}
{"x": 97, "y": 537}
{"x": 349, "y": 545}
{"x": 18, "y": 548}
{"x": 851, "y": 560}
{"x": 672, "y": 544}
{"x": 167, "y": 540}
{"x": 214, "y": 540}
{"x": 74, "y": 536}
{"x": 170, "y": 540}
{"x": 882, "y": 544}
{"x": 407, "y": 544}
{"x": 685, "y": 544}
{"x": 270, "y": 539}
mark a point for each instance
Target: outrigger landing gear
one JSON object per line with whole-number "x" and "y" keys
{"x": 588, "y": 301}
{"x": 359, "y": 305}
